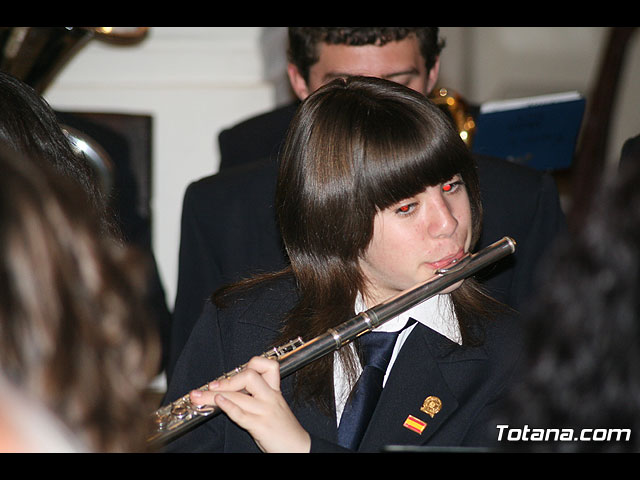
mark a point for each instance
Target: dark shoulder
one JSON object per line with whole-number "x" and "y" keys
{"x": 250, "y": 321}
{"x": 503, "y": 337}
{"x": 263, "y": 303}
{"x": 255, "y": 138}
{"x": 493, "y": 169}
{"x": 508, "y": 188}
{"x": 270, "y": 120}
{"x": 258, "y": 177}
{"x": 630, "y": 150}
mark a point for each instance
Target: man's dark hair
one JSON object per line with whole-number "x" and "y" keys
{"x": 303, "y": 42}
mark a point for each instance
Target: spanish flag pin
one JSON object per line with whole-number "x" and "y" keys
{"x": 414, "y": 424}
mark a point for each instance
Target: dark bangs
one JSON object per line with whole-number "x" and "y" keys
{"x": 408, "y": 150}
{"x": 396, "y": 169}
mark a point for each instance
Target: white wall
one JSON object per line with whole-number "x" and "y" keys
{"x": 196, "y": 80}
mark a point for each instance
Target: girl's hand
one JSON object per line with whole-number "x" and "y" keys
{"x": 252, "y": 399}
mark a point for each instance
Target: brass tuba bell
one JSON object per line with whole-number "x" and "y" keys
{"x": 36, "y": 55}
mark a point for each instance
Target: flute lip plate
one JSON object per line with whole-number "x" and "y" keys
{"x": 456, "y": 265}
{"x": 459, "y": 264}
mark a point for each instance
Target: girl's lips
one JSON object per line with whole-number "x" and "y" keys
{"x": 448, "y": 260}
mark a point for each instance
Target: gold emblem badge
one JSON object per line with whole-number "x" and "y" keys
{"x": 431, "y": 406}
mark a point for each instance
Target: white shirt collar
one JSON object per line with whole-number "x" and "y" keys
{"x": 436, "y": 313}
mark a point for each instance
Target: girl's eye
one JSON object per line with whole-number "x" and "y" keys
{"x": 451, "y": 186}
{"x": 405, "y": 209}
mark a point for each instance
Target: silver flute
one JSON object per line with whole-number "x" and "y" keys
{"x": 176, "y": 418}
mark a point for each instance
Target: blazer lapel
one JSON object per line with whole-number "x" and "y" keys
{"x": 430, "y": 379}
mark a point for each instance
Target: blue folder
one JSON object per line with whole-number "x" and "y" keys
{"x": 540, "y": 132}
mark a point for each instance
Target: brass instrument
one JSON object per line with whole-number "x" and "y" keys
{"x": 181, "y": 415}
{"x": 36, "y": 55}
{"x": 458, "y": 110}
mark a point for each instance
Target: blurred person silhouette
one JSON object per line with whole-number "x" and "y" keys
{"x": 582, "y": 356}
{"x": 229, "y": 229}
{"x": 75, "y": 333}
{"x": 29, "y": 125}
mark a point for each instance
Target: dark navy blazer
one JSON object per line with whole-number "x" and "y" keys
{"x": 469, "y": 381}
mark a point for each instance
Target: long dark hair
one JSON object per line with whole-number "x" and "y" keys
{"x": 355, "y": 147}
